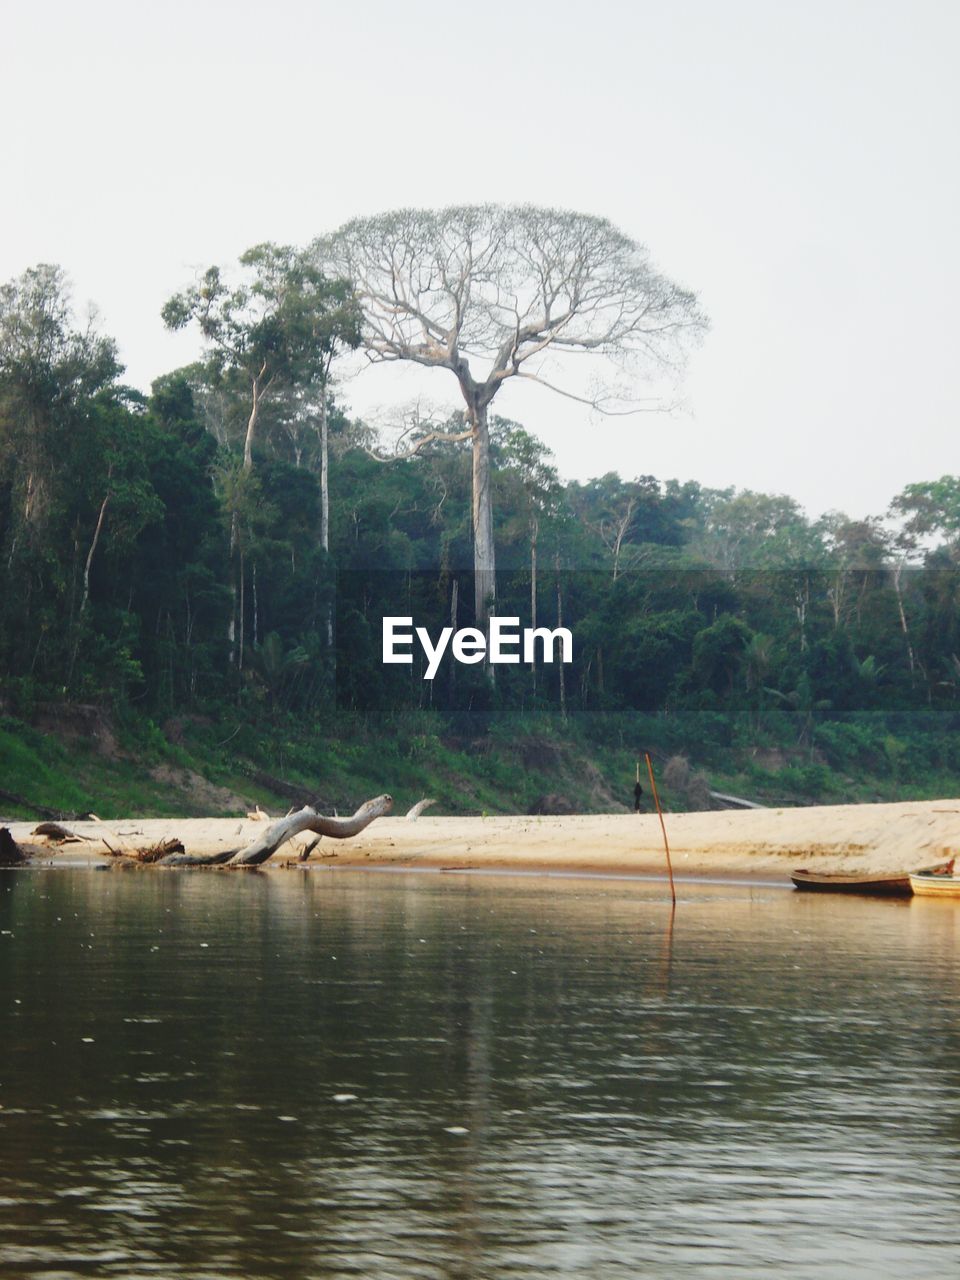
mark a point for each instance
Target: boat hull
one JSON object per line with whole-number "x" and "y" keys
{"x": 891, "y": 886}
{"x": 930, "y": 884}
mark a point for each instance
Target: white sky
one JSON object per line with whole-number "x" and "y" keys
{"x": 796, "y": 165}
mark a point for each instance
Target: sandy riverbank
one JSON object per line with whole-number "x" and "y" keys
{"x": 761, "y": 843}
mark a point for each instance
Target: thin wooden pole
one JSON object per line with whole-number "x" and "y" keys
{"x": 663, "y": 825}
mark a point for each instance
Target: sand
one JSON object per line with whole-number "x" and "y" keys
{"x": 760, "y": 844}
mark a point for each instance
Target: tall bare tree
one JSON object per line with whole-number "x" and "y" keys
{"x": 493, "y": 293}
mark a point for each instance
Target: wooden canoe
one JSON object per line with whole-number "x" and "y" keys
{"x": 934, "y": 883}
{"x": 896, "y": 884}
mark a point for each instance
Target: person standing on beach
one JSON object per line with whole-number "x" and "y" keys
{"x": 638, "y": 797}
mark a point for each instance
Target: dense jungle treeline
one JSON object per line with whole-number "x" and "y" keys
{"x": 149, "y": 564}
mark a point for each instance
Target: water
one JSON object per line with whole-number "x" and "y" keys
{"x": 334, "y": 1074}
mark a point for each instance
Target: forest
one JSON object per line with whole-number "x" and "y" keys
{"x": 214, "y": 559}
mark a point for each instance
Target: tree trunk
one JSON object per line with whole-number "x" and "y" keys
{"x": 454, "y": 605}
{"x": 90, "y": 555}
{"x": 622, "y": 528}
{"x": 484, "y": 561}
{"x": 325, "y": 499}
{"x": 86, "y": 585}
{"x": 248, "y": 438}
{"x": 563, "y": 683}
{"x": 324, "y": 475}
{"x": 232, "y": 624}
{"x": 802, "y": 600}
{"x": 278, "y": 833}
{"x": 256, "y": 609}
{"x": 252, "y": 422}
{"x": 534, "y": 530}
{"x": 903, "y": 617}
{"x": 242, "y": 620}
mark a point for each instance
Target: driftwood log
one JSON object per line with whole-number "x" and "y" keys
{"x": 54, "y": 831}
{"x": 11, "y": 855}
{"x": 735, "y": 802}
{"x": 278, "y": 833}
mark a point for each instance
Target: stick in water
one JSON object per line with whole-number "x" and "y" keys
{"x": 663, "y": 827}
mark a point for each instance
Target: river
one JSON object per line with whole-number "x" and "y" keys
{"x": 242, "y": 1076}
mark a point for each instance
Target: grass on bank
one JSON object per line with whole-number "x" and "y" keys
{"x": 198, "y": 766}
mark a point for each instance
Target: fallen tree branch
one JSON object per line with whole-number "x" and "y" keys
{"x": 278, "y": 833}
{"x": 156, "y": 853}
{"x": 735, "y": 802}
{"x": 415, "y": 810}
{"x": 54, "y": 831}
{"x": 307, "y": 849}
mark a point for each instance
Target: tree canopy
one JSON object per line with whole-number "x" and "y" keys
{"x": 139, "y": 553}
{"x": 492, "y": 293}
{"x": 276, "y": 331}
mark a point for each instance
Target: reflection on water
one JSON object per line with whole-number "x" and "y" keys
{"x": 331, "y": 1074}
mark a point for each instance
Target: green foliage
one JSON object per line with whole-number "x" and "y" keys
{"x": 931, "y": 508}
{"x": 280, "y": 324}
{"x": 270, "y": 341}
{"x": 33, "y": 766}
{"x": 148, "y": 569}
{"x": 720, "y": 654}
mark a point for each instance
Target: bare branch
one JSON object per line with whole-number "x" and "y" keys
{"x": 447, "y": 437}
{"x": 305, "y": 819}
{"x": 494, "y": 287}
{"x": 657, "y": 406}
